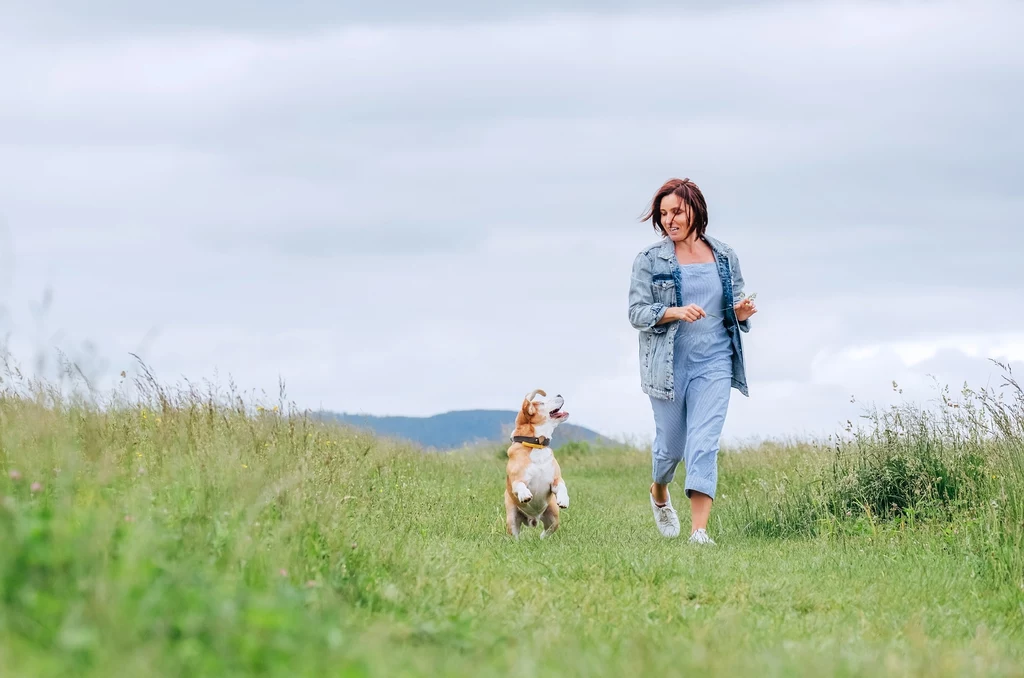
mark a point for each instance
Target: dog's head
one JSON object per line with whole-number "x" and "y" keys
{"x": 540, "y": 415}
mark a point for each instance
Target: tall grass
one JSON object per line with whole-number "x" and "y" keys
{"x": 188, "y": 529}
{"x": 174, "y": 518}
{"x": 957, "y": 465}
{"x": 1001, "y": 530}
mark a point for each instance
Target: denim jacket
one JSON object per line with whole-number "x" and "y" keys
{"x": 656, "y": 284}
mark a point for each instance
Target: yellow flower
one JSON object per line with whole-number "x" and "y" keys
{"x": 245, "y": 466}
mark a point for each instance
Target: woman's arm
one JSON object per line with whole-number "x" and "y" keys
{"x": 645, "y": 314}
{"x": 737, "y": 287}
{"x": 648, "y": 315}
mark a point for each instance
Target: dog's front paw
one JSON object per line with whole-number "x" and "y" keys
{"x": 522, "y": 492}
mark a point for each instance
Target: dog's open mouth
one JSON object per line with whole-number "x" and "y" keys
{"x": 557, "y": 413}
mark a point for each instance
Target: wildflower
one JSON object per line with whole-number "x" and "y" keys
{"x": 245, "y": 466}
{"x": 36, "y": 486}
{"x": 284, "y": 572}
{"x": 15, "y": 475}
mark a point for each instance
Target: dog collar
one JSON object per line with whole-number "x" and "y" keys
{"x": 531, "y": 441}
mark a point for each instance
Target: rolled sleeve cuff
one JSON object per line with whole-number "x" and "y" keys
{"x": 657, "y": 313}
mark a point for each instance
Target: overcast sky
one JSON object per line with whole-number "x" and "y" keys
{"x": 407, "y": 211}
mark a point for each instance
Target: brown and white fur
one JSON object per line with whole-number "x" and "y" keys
{"x": 534, "y": 488}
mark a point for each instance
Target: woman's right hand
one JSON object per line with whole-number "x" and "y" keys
{"x": 689, "y": 313}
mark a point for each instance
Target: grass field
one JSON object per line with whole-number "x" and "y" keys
{"x": 190, "y": 533}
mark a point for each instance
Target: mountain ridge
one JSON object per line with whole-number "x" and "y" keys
{"x": 457, "y": 428}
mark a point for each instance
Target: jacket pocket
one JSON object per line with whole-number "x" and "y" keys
{"x": 663, "y": 287}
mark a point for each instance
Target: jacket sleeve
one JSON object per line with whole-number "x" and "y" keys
{"x": 737, "y": 286}
{"x": 644, "y": 311}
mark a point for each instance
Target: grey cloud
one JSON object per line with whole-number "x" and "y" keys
{"x": 120, "y": 16}
{"x": 280, "y": 205}
{"x": 452, "y": 124}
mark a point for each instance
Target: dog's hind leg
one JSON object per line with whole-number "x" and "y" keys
{"x": 513, "y": 518}
{"x": 550, "y": 518}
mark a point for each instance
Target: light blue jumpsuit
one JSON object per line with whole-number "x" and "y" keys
{"x": 688, "y": 428}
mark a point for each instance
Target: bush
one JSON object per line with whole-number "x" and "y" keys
{"x": 913, "y": 460}
{"x": 574, "y": 448}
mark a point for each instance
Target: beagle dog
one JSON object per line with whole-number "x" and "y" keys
{"x": 534, "y": 488}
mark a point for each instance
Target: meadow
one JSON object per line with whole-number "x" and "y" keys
{"x": 192, "y": 531}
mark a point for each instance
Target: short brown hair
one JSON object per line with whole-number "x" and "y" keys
{"x": 688, "y": 193}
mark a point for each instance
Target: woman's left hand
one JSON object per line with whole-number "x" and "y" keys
{"x": 745, "y": 309}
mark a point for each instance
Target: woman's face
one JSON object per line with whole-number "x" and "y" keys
{"x": 675, "y": 217}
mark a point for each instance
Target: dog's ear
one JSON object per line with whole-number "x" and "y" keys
{"x": 529, "y": 409}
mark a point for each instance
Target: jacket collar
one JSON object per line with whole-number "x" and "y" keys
{"x": 667, "y": 250}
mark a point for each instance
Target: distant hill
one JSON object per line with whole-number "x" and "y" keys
{"x": 456, "y": 429}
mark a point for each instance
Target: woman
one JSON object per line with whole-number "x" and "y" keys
{"x": 683, "y": 300}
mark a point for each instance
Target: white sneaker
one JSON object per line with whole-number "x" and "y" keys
{"x": 701, "y": 537}
{"x": 665, "y": 518}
